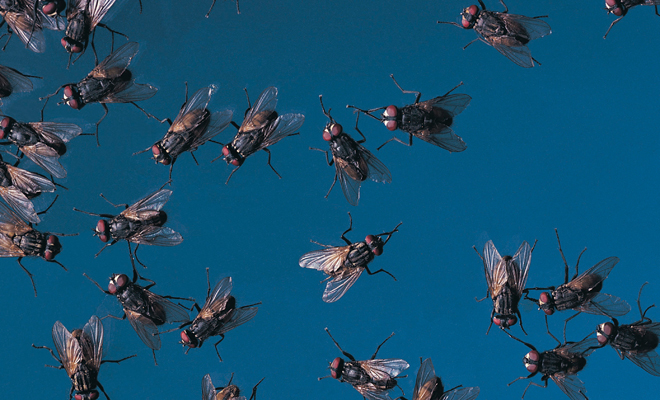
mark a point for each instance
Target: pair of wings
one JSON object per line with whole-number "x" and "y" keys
{"x": 208, "y": 390}
{"x": 42, "y": 154}
{"x": 601, "y": 303}
{"x": 380, "y": 370}
{"x": 73, "y": 351}
{"x": 95, "y": 9}
{"x": 426, "y": 374}
{"x": 331, "y": 260}
{"x": 453, "y": 104}
{"x": 649, "y": 361}
{"x": 377, "y": 172}
{"x": 500, "y": 272}
{"x": 534, "y": 27}
{"x": 21, "y": 20}
{"x": 256, "y": 118}
{"x": 216, "y": 303}
{"x": 199, "y": 102}
{"x": 145, "y": 327}
{"x": 113, "y": 66}
{"x": 10, "y": 226}
{"x": 24, "y": 182}
{"x": 151, "y": 234}
{"x": 570, "y": 384}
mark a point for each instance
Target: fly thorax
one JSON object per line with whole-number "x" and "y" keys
{"x": 504, "y": 302}
{"x": 354, "y": 374}
{"x": 566, "y": 298}
{"x": 630, "y": 338}
{"x": 93, "y": 90}
{"x": 360, "y": 255}
{"x": 413, "y": 119}
{"x": 33, "y": 243}
{"x": 23, "y": 135}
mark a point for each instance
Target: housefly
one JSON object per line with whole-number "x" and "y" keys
{"x": 82, "y": 17}
{"x": 218, "y": 316}
{"x": 636, "y": 342}
{"x": 193, "y": 127}
{"x": 262, "y": 127}
{"x": 429, "y": 120}
{"x": 42, "y": 142}
{"x": 345, "y": 264}
{"x": 507, "y": 33}
{"x": 372, "y": 378}
{"x": 229, "y": 392}
{"x": 12, "y": 81}
{"x": 582, "y": 293}
{"x": 141, "y": 223}
{"x": 27, "y": 19}
{"x": 109, "y": 82}
{"x": 506, "y": 277}
{"x": 18, "y": 239}
{"x": 81, "y": 355}
{"x": 144, "y": 309}
{"x": 353, "y": 163}
{"x": 620, "y": 8}
{"x": 428, "y": 386}
{"x": 560, "y": 364}
{"x": 238, "y": 10}
{"x": 18, "y": 187}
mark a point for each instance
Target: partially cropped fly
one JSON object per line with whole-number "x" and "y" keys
{"x": 428, "y": 386}
{"x": 229, "y": 392}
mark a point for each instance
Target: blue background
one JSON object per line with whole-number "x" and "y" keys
{"x": 572, "y": 144}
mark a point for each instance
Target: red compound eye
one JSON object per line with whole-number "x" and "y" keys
{"x": 101, "y": 226}
{"x": 610, "y": 3}
{"x": 473, "y": 10}
{"x": 112, "y": 288}
{"x": 5, "y": 122}
{"x": 511, "y": 321}
{"x": 64, "y": 43}
{"x": 496, "y": 321}
{"x": 103, "y": 238}
{"x": 186, "y": 339}
{"x": 532, "y": 356}
{"x": 390, "y": 125}
{"x": 122, "y": 280}
{"x": 49, "y": 8}
{"x": 336, "y": 130}
{"x": 225, "y": 151}
{"x": 53, "y": 240}
{"x": 155, "y": 150}
{"x": 336, "y": 368}
{"x": 68, "y": 92}
{"x": 94, "y": 395}
{"x": 390, "y": 111}
{"x": 545, "y": 297}
{"x": 73, "y": 103}
{"x": 327, "y": 135}
{"x": 48, "y": 255}
{"x": 235, "y": 163}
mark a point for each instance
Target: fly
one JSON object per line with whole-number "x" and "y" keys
{"x": 229, "y": 392}
{"x": 109, "y": 82}
{"x": 194, "y": 126}
{"x": 353, "y": 163}
{"x": 620, "y": 8}
{"x": 12, "y": 81}
{"x": 507, "y": 33}
{"x": 372, "y": 378}
{"x": 506, "y": 277}
{"x": 428, "y": 386}
{"x": 345, "y": 264}
{"x": 262, "y": 127}
{"x": 430, "y": 120}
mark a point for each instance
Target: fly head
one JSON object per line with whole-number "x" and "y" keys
{"x": 6, "y": 125}
{"x": 337, "y": 367}
{"x": 547, "y": 303}
{"x": 615, "y": 7}
{"x": 470, "y": 16}
{"x": 71, "y": 45}
{"x": 532, "y": 361}
{"x": 375, "y": 244}
{"x": 53, "y": 8}
{"x": 332, "y": 130}
{"x": 160, "y": 155}
{"x": 189, "y": 339}
{"x": 391, "y": 118}
{"x": 102, "y": 230}
{"x": 118, "y": 283}
{"x": 232, "y": 156}
{"x": 604, "y": 332}
{"x": 72, "y": 97}
{"x": 53, "y": 247}
{"x": 505, "y": 321}
{"x": 91, "y": 395}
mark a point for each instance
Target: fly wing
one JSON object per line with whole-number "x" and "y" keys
{"x": 445, "y": 138}
{"x": 264, "y": 106}
{"x": 46, "y": 157}
{"x": 649, "y": 361}
{"x": 337, "y": 287}
{"x": 238, "y": 317}
{"x": 454, "y": 104}
{"x": 10, "y": 223}
{"x": 584, "y": 347}
{"x": 8, "y": 248}
{"x": 378, "y": 172}
{"x": 522, "y": 259}
{"x": 64, "y": 132}
{"x": 495, "y": 268}
{"x": 28, "y": 30}
{"x": 75, "y": 6}
{"x": 153, "y": 202}
{"x": 328, "y": 260}
{"x": 535, "y": 27}
{"x": 217, "y": 298}
{"x": 219, "y": 121}
{"x": 381, "y": 370}
{"x": 605, "y": 304}
{"x": 372, "y": 394}
{"x": 518, "y": 54}
{"x": 468, "y": 393}
{"x": 173, "y": 312}
{"x": 157, "y": 236}
{"x": 198, "y": 101}
{"x": 130, "y": 92}
{"x": 283, "y": 126}
{"x": 116, "y": 63}
{"x": 21, "y": 204}
{"x": 145, "y": 328}
{"x": 18, "y": 81}
{"x": 67, "y": 348}
{"x": 94, "y": 331}
{"x": 98, "y": 9}
{"x": 426, "y": 373}
{"x": 594, "y": 275}
{"x": 208, "y": 390}
{"x": 571, "y": 385}
{"x": 29, "y": 182}
{"x": 349, "y": 186}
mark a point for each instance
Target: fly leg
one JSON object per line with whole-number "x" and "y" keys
{"x": 48, "y": 208}
{"x": 236, "y": 169}
{"x": 368, "y": 112}
{"x": 639, "y": 305}
{"x": 330, "y": 162}
{"x": 506, "y": 9}
{"x": 604, "y": 37}
{"x": 177, "y": 328}
{"x": 254, "y": 389}
{"x": 115, "y": 317}
{"x": 222, "y": 337}
{"x": 106, "y": 245}
{"x": 94, "y": 214}
{"x": 149, "y": 115}
{"x": 350, "y": 228}
{"x": 566, "y": 323}
{"x": 364, "y": 139}
{"x": 113, "y": 204}
{"x": 449, "y": 23}
{"x": 532, "y": 383}
{"x": 547, "y": 328}
{"x": 492, "y": 314}
{"x": 534, "y": 60}
{"x": 48, "y": 97}
{"x": 467, "y": 45}
{"x": 96, "y": 283}
{"x": 136, "y": 257}
{"x": 380, "y": 270}
{"x": 103, "y": 390}
{"x": 51, "y": 353}
{"x": 417, "y": 94}
{"x": 339, "y": 347}
{"x": 521, "y": 323}
{"x": 118, "y": 361}
{"x": 389, "y": 234}
{"x": 455, "y": 87}
{"x": 29, "y": 275}
{"x": 656, "y": 10}
{"x": 487, "y": 290}
{"x": 213, "y": 5}
{"x": 105, "y": 109}
{"x": 396, "y": 139}
{"x": 270, "y": 165}
{"x": 112, "y": 32}
{"x": 208, "y": 284}
{"x": 246, "y": 92}
{"x": 9, "y": 34}
{"x": 564, "y": 258}
{"x": 378, "y": 348}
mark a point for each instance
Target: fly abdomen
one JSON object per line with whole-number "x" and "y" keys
{"x": 635, "y": 338}
{"x": 355, "y": 375}
{"x": 566, "y": 298}
{"x": 506, "y": 302}
{"x": 84, "y": 379}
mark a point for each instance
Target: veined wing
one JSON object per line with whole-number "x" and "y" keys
{"x": 378, "y": 172}
{"x": 64, "y": 132}
{"x": 571, "y": 385}
{"x": 425, "y": 374}
{"x": 381, "y": 370}
{"x": 46, "y": 157}
{"x": 145, "y": 328}
{"x": 349, "y": 186}
{"x": 217, "y": 299}
{"x": 116, "y": 63}
{"x": 131, "y": 92}
{"x": 522, "y": 259}
{"x": 28, "y": 30}
{"x": 94, "y": 331}
{"x": 10, "y": 223}
{"x": 283, "y": 126}
{"x": 369, "y": 391}
{"x": 67, "y": 348}
{"x": 444, "y": 138}
{"x": 157, "y": 236}
{"x": 328, "y": 260}
{"x": 8, "y": 248}
{"x": 173, "y": 312}
{"x": 649, "y": 361}
{"x": 219, "y": 121}
{"x": 495, "y": 268}
{"x": 29, "y": 182}
{"x": 198, "y": 101}
{"x": 257, "y": 116}
{"x": 208, "y": 390}
{"x": 98, "y": 9}
{"x": 468, "y": 393}
{"x": 21, "y": 204}
{"x": 153, "y": 202}
{"x": 594, "y": 275}
{"x": 338, "y": 286}
{"x": 18, "y": 81}
{"x": 238, "y": 317}
{"x": 454, "y": 104}
{"x": 605, "y": 304}
{"x": 535, "y": 27}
